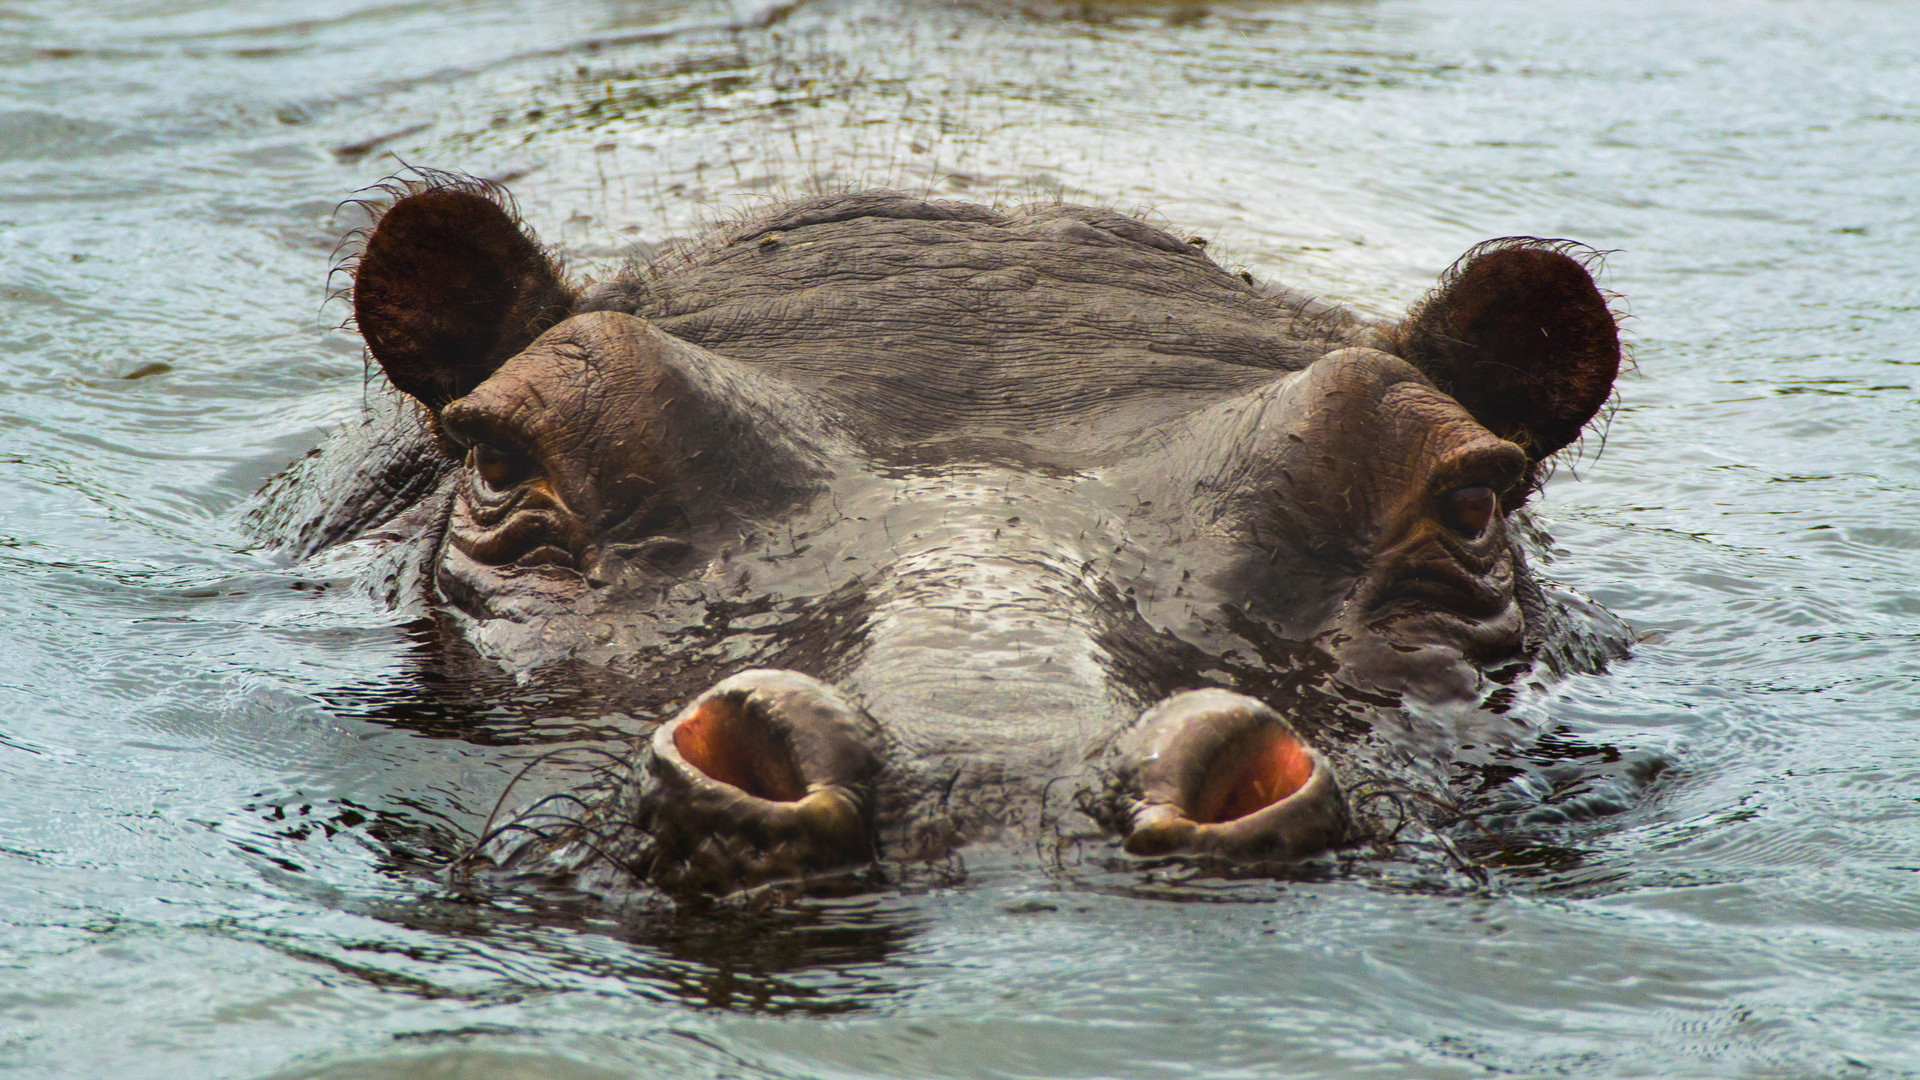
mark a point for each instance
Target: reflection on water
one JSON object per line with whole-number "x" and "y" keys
{"x": 773, "y": 955}
{"x": 229, "y": 787}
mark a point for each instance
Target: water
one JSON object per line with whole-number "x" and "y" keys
{"x": 226, "y": 784}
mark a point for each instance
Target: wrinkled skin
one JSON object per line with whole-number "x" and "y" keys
{"x": 903, "y": 511}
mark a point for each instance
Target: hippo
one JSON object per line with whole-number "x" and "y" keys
{"x": 914, "y": 524}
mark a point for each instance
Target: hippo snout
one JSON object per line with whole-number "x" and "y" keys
{"x": 772, "y": 775}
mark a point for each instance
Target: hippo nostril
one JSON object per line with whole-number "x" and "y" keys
{"x": 766, "y": 776}
{"x": 1258, "y": 769}
{"x": 1212, "y": 772}
{"x": 722, "y": 739}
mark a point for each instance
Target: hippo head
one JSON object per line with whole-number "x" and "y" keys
{"x": 899, "y": 511}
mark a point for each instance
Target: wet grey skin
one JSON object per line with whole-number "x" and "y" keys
{"x": 921, "y": 521}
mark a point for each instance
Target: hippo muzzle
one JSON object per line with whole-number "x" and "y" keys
{"x": 773, "y": 775}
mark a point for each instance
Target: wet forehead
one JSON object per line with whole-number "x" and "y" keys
{"x": 982, "y": 321}
{"x": 924, "y": 532}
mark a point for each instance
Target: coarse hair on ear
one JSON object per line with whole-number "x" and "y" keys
{"x": 1518, "y": 333}
{"x": 448, "y": 283}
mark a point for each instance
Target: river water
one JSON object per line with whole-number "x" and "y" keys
{"x": 227, "y": 784}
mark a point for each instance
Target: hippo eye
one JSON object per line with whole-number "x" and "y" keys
{"x": 499, "y": 469}
{"x": 1469, "y": 510}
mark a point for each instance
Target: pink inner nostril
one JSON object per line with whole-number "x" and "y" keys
{"x": 1253, "y": 772}
{"x": 723, "y": 740}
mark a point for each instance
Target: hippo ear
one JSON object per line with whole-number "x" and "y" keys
{"x": 1518, "y": 334}
{"x": 450, "y": 286}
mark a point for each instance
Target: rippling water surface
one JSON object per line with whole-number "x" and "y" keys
{"x": 225, "y": 793}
